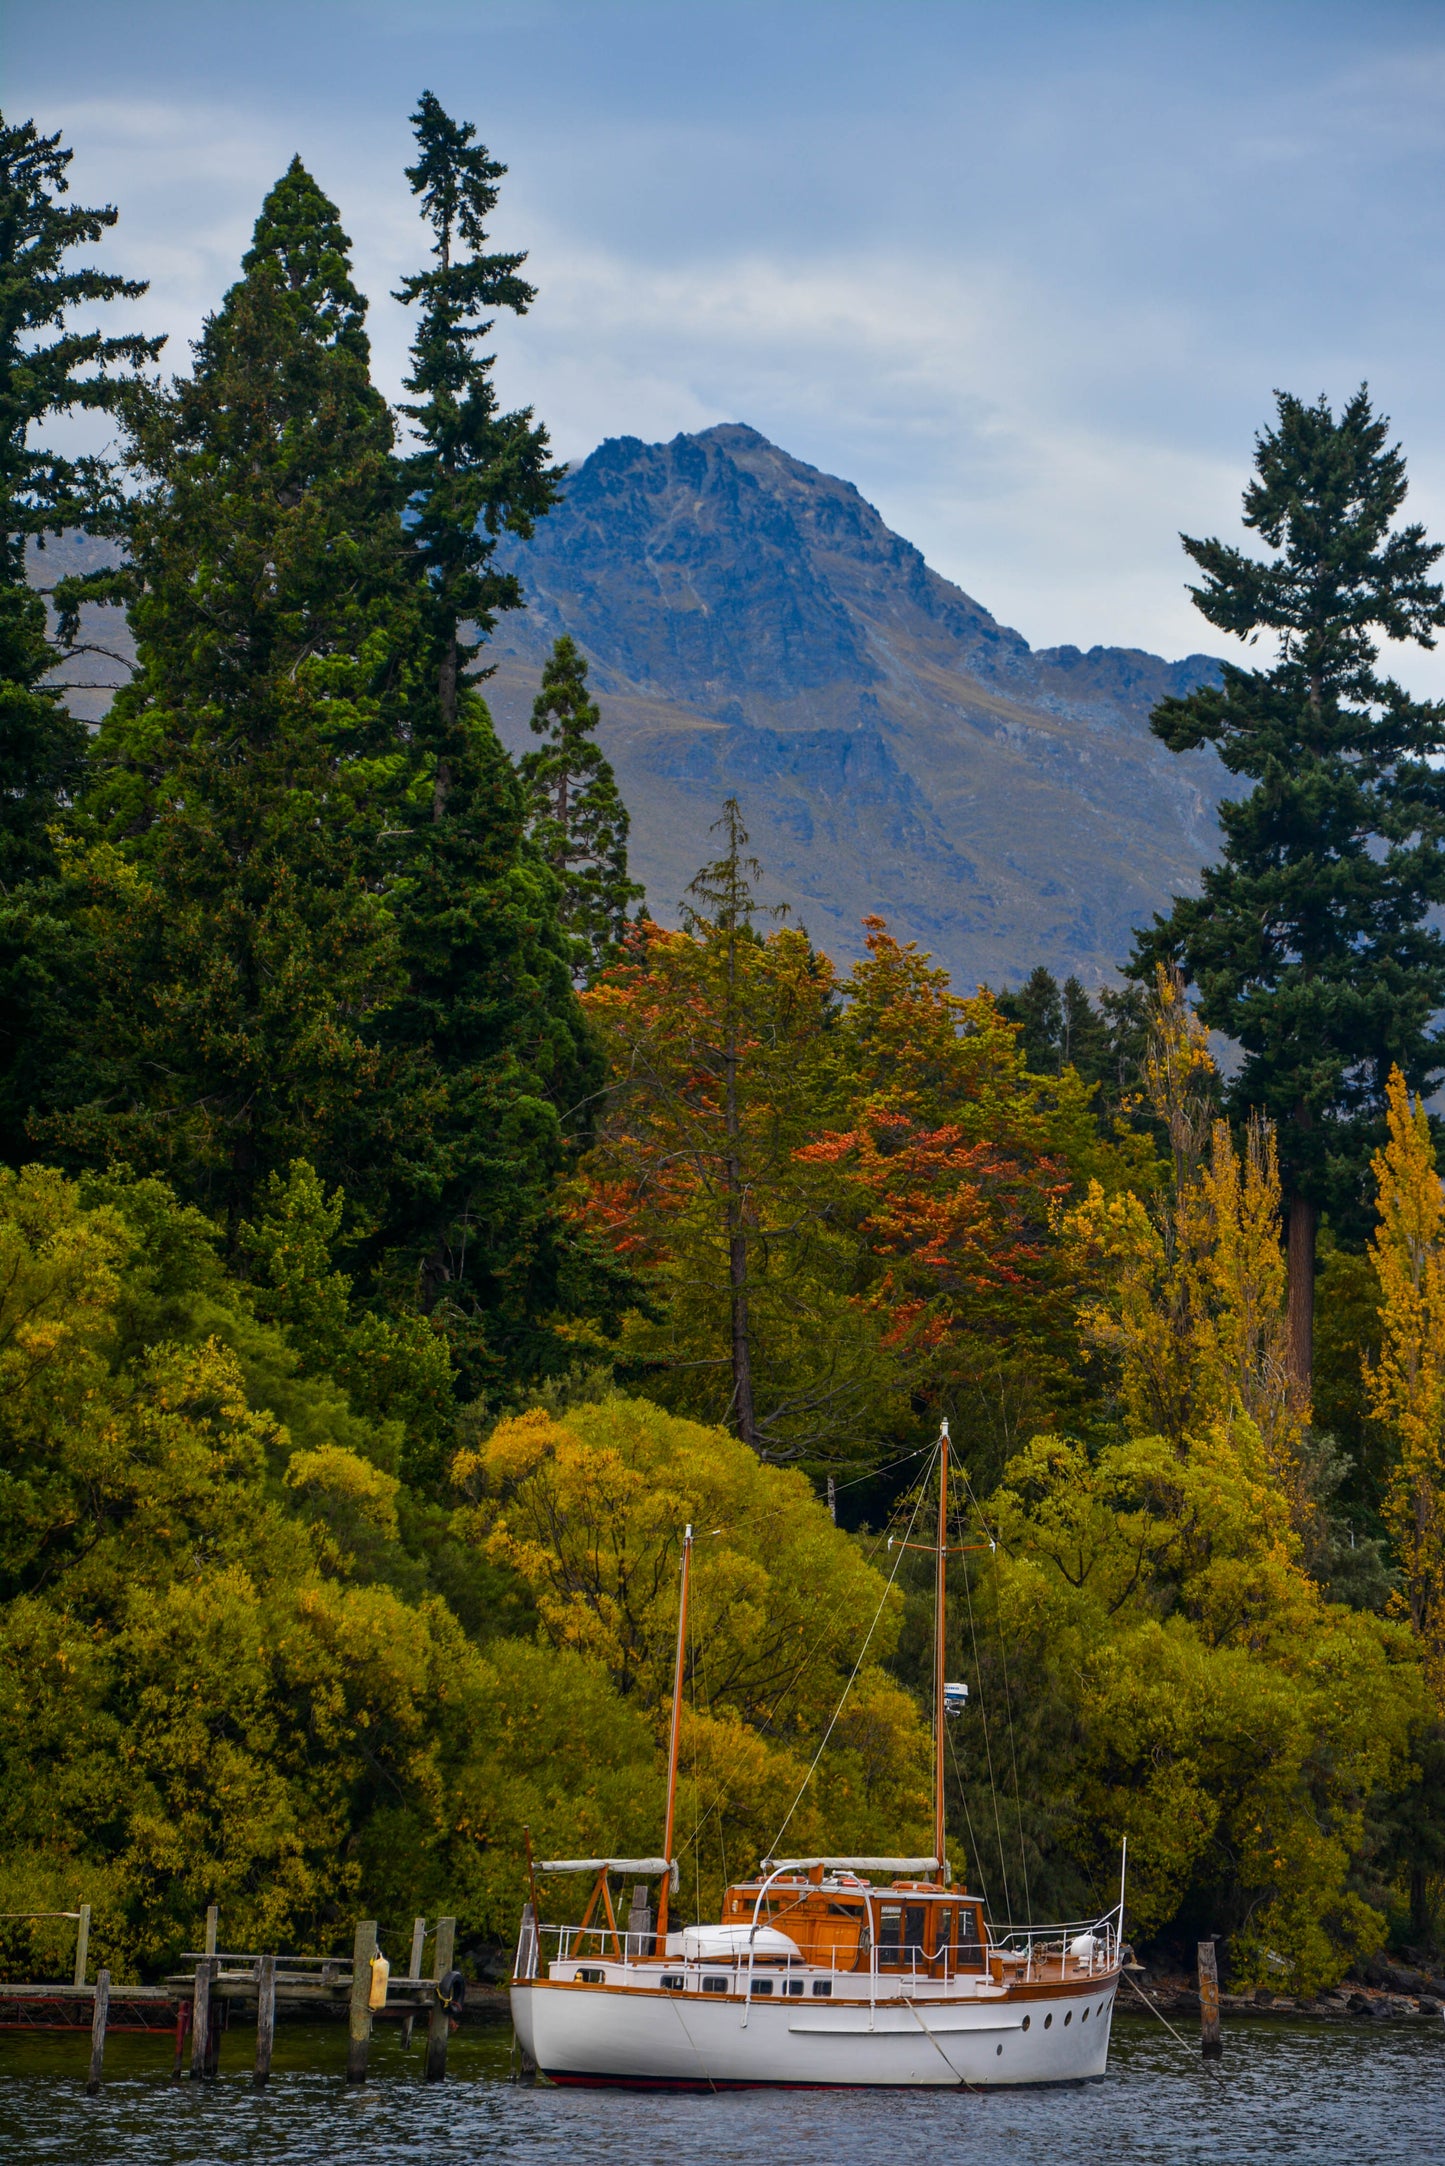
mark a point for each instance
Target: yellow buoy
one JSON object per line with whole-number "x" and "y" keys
{"x": 380, "y": 1973}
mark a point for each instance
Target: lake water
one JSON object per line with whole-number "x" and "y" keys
{"x": 1327, "y": 2095}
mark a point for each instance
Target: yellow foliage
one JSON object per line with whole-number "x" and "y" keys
{"x": 1407, "y": 1384}
{"x": 1194, "y": 1312}
{"x": 590, "y": 1508}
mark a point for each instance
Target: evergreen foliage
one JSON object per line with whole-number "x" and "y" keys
{"x": 487, "y": 1002}
{"x": 1310, "y": 944}
{"x": 579, "y": 823}
{"x": 232, "y": 888}
{"x": 42, "y": 491}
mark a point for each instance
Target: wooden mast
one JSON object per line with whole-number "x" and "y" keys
{"x": 940, "y": 1611}
{"x": 677, "y": 1676}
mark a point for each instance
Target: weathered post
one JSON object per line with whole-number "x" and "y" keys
{"x": 201, "y": 2020}
{"x": 213, "y": 1920}
{"x": 99, "y": 2017}
{"x": 360, "y": 2035}
{"x": 439, "y": 2021}
{"x": 413, "y": 1970}
{"x": 265, "y": 2018}
{"x": 82, "y": 1943}
{"x": 183, "y": 2024}
{"x": 1210, "y": 2041}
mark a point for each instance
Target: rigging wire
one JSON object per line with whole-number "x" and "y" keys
{"x": 832, "y": 1722}
{"x": 987, "y": 1746}
{"x": 1007, "y": 1701}
{"x": 975, "y": 1847}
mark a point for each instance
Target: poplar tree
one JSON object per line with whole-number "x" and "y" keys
{"x": 1310, "y": 944}
{"x": 47, "y": 369}
{"x": 578, "y": 820}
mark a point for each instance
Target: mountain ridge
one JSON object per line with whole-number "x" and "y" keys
{"x": 754, "y": 628}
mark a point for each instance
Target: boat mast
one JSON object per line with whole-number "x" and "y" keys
{"x": 673, "y": 1741}
{"x": 940, "y": 1612}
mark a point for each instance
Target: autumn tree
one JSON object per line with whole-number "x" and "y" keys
{"x": 1311, "y": 943}
{"x": 1193, "y": 1305}
{"x": 577, "y": 818}
{"x": 1407, "y": 1383}
{"x": 717, "y": 1040}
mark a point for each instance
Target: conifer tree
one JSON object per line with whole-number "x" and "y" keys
{"x": 241, "y": 929}
{"x": 488, "y": 997}
{"x": 578, "y": 820}
{"x": 42, "y": 491}
{"x": 1310, "y": 944}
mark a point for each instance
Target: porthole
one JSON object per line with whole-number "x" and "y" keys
{"x": 998, "y": 2049}
{"x": 1068, "y": 2019}
{"x": 591, "y": 1977}
{"x": 822, "y": 1988}
{"x": 1026, "y": 2022}
{"x": 1048, "y": 2020}
{"x": 714, "y": 1985}
{"x": 762, "y": 1985}
{"x": 673, "y": 1983}
{"x": 1084, "y": 2017}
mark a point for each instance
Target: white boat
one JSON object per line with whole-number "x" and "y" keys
{"x": 847, "y": 1972}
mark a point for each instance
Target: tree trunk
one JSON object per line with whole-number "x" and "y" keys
{"x": 742, "y": 1353}
{"x": 1303, "y": 1232}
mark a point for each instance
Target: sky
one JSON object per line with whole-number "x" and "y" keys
{"x": 1028, "y": 273}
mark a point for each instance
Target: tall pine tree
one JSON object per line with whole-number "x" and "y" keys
{"x": 1310, "y": 944}
{"x": 489, "y": 998}
{"x": 578, "y": 820}
{"x": 239, "y": 913}
{"x": 47, "y": 370}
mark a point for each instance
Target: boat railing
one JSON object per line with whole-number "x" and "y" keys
{"x": 1085, "y": 1948}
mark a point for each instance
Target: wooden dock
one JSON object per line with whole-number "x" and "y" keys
{"x": 195, "y": 2005}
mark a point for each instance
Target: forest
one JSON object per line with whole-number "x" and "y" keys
{"x": 404, "y": 1234}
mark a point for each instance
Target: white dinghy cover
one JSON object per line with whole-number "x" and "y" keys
{"x": 720, "y": 1943}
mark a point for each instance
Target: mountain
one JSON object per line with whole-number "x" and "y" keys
{"x": 754, "y": 629}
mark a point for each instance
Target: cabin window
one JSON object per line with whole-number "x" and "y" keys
{"x": 913, "y": 1923}
{"x": 970, "y": 1950}
{"x": 714, "y": 1985}
{"x": 890, "y": 1935}
{"x": 762, "y": 1985}
{"x": 591, "y": 1977}
{"x": 942, "y": 1931}
{"x": 843, "y": 1910}
{"x": 673, "y": 1983}
{"x": 822, "y": 1988}
{"x": 793, "y": 1985}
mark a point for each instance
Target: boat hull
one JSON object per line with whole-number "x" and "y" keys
{"x": 613, "y": 2036}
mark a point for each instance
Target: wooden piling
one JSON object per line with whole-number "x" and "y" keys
{"x": 100, "y": 2015}
{"x": 201, "y": 2020}
{"x": 413, "y": 1970}
{"x": 183, "y": 2024}
{"x": 213, "y": 1920}
{"x": 265, "y": 2018}
{"x": 1211, "y": 2044}
{"x": 439, "y": 2021}
{"x": 359, "y": 2039}
{"x": 82, "y": 1943}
